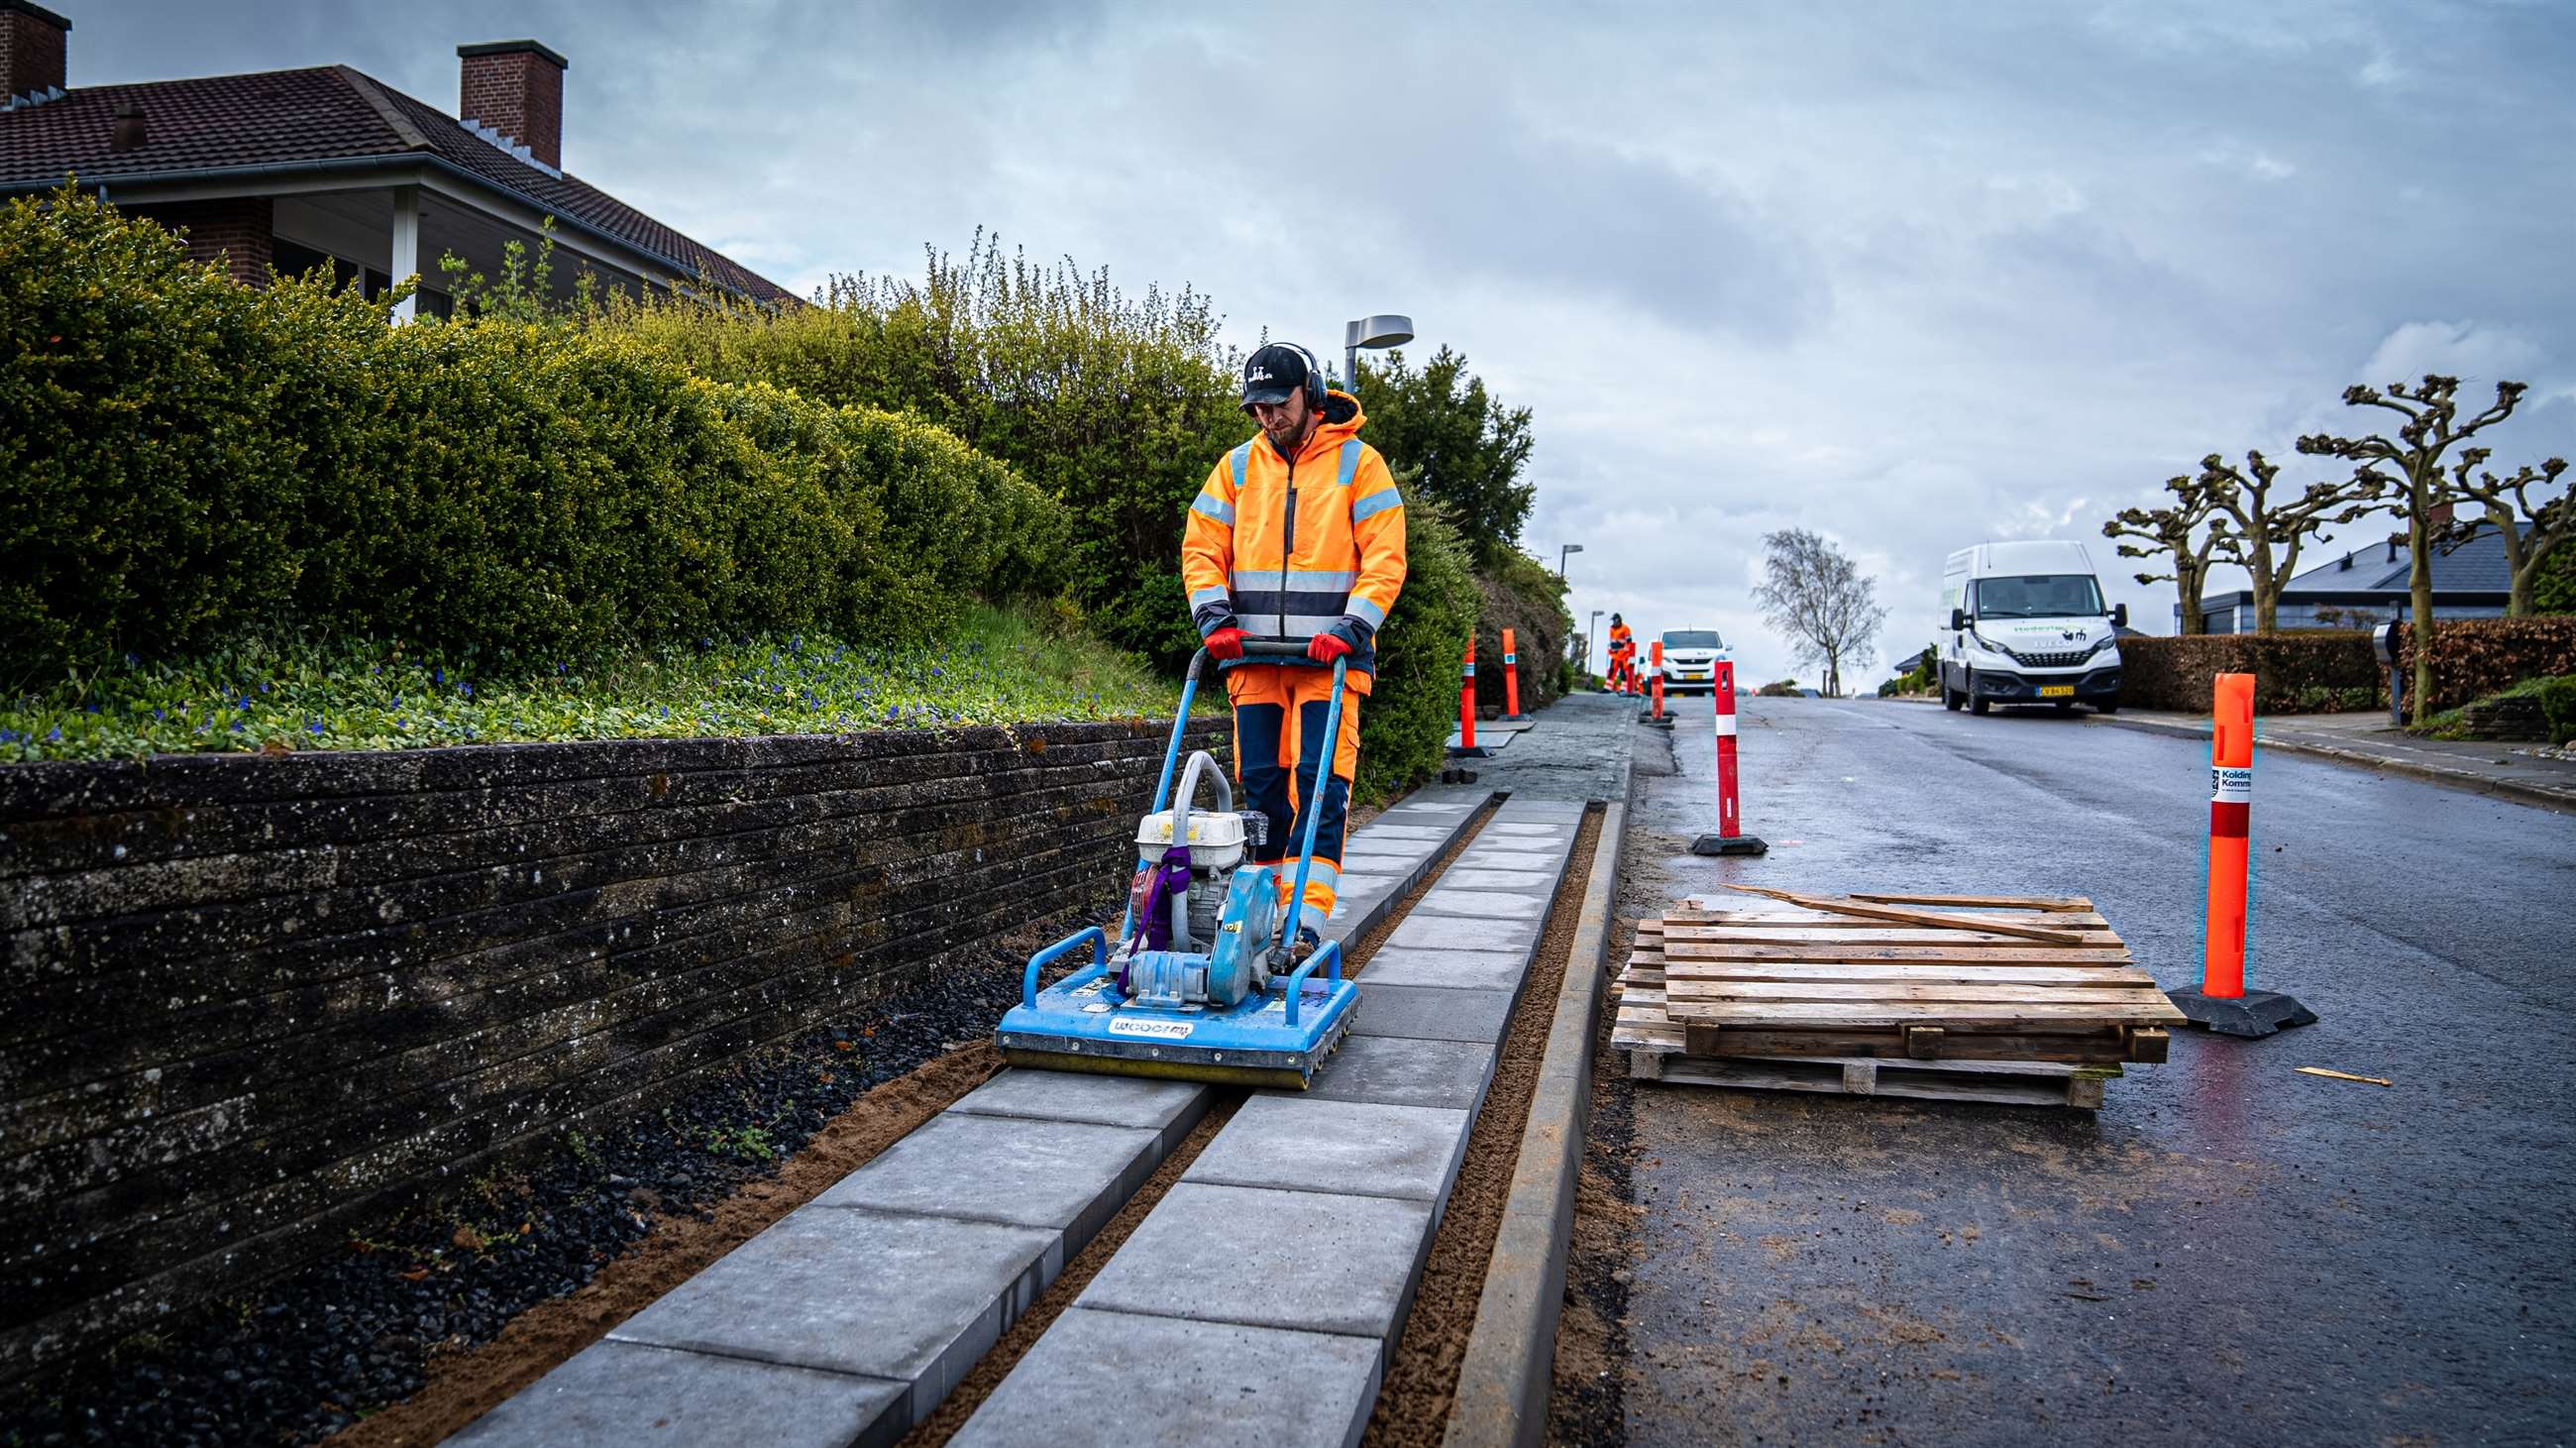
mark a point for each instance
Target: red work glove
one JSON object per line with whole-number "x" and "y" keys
{"x": 1327, "y": 647}
{"x": 1226, "y": 643}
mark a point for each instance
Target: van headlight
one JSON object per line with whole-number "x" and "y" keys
{"x": 2106, "y": 641}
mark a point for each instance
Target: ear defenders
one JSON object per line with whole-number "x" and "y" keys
{"x": 1314, "y": 379}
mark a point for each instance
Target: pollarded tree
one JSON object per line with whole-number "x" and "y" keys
{"x": 2532, "y": 526}
{"x": 2169, "y": 531}
{"x": 2429, "y": 426}
{"x": 1811, "y": 592}
{"x": 2268, "y": 534}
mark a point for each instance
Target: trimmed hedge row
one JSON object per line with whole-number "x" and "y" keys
{"x": 1526, "y": 598}
{"x": 2475, "y": 657}
{"x": 2302, "y": 672}
{"x": 2308, "y": 671}
{"x": 186, "y": 461}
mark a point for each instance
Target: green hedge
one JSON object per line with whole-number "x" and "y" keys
{"x": 2558, "y": 703}
{"x": 2475, "y": 657}
{"x": 2303, "y": 672}
{"x": 187, "y": 462}
{"x": 1523, "y": 596}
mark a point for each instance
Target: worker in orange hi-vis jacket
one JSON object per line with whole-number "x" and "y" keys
{"x": 1298, "y": 537}
{"x": 1623, "y": 655}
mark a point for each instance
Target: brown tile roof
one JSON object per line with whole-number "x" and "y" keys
{"x": 330, "y": 113}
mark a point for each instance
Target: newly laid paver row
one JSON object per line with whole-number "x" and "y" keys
{"x": 1257, "y": 1302}
{"x": 848, "y": 1320}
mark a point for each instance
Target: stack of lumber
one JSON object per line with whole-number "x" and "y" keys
{"x": 2002, "y": 998}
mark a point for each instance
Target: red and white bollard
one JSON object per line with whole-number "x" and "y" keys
{"x": 1655, "y": 682}
{"x": 1511, "y": 682}
{"x": 1467, "y": 747}
{"x": 1730, "y": 838}
{"x": 2222, "y": 1003}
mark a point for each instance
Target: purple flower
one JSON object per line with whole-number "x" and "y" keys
{"x": 315, "y": 726}
{"x": 54, "y": 735}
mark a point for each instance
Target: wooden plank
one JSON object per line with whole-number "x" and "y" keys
{"x": 1857, "y": 972}
{"x": 1923, "y": 1043}
{"x": 1791, "y": 919}
{"x": 1867, "y": 1015}
{"x": 2101, "y": 1047}
{"x": 1992, "y": 902}
{"x": 1929, "y": 919}
{"x": 1865, "y": 935}
{"x": 2001, "y": 957}
{"x": 1899, "y": 992}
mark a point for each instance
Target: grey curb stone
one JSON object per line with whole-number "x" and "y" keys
{"x": 1465, "y": 932}
{"x": 1264, "y": 1258}
{"x": 1456, "y": 969}
{"x": 589, "y": 1402}
{"x": 1168, "y": 1107}
{"x": 1432, "y": 1013}
{"x": 911, "y": 1299}
{"x": 1401, "y": 1071}
{"x": 1359, "y": 1148}
{"x": 1513, "y": 905}
{"x": 1183, "y": 1382}
{"x": 1069, "y": 1176}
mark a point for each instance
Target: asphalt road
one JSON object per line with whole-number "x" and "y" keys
{"x": 2228, "y": 1251}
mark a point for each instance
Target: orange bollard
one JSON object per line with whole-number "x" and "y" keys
{"x": 1730, "y": 838}
{"x": 1511, "y": 682}
{"x": 2223, "y": 1003}
{"x": 1466, "y": 747}
{"x": 1655, "y": 682}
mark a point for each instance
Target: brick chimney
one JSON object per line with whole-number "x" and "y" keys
{"x": 31, "y": 50}
{"x": 515, "y": 89}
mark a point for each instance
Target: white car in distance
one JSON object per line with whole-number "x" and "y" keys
{"x": 1690, "y": 660}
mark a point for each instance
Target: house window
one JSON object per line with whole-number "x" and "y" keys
{"x": 295, "y": 259}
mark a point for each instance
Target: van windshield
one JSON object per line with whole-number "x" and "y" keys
{"x": 1693, "y": 638}
{"x": 2038, "y": 595}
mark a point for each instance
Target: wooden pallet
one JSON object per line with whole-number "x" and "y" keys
{"x": 1936, "y": 978}
{"x": 2009, "y": 1083}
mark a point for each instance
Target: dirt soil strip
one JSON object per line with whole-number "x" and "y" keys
{"x": 995, "y": 1365}
{"x": 1589, "y": 1403}
{"x": 464, "y": 1386}
{"x": 1422, "y": 1375}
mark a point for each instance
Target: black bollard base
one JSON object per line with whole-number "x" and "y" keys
{"x": 1729, "y": 845}
{"x": 1457, "y": 776}
{"x": 1513, "y": 719}
{"x": 2255, "y": 1014}
{"x": 1470, "y": 751}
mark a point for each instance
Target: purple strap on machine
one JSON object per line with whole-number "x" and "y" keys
{"x": 1149, "y": 901}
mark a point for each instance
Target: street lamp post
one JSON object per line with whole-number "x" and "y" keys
{"x": 1384, "y": 330}
{"x": 1560, "y": 559}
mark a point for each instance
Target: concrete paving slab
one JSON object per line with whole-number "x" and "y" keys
{"x": 1526, "y": 829}
{"x": 1352, "y": 884}
{"x": 1512, "y": 905}
{"x": 1471, "y": 873}
{"x": 1260, "y": 1258}
{"x": 1361, "y": 1148}
{"x": 1515, "y": 938}
{"x": 621, "y": 1394}
{"x": 1510, "y": 854}
{"x": 1428, "y": 831}
{"x": 1456, "y": 969}
{"x": 1192, "y": 1383}
{"x": 1401, "y": 1071}
{"x": 1168, "y": 1107}
{"x": 1070, "y": 1176}
{"x": 1430, "y": 806}
{"x": 908, "y": 1299}
{"x": 1432, "y": 1013}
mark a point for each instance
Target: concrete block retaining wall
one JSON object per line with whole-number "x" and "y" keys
{"x": 255, "y": 1001}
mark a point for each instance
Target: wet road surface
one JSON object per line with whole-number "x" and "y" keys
{"x": 2228, "y": 1251}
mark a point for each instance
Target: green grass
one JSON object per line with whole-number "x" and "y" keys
{"x": 2449, "y": 723}
{"x": 998, "y": 668}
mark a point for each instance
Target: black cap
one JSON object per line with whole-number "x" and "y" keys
{"x": 1272, "y": 373}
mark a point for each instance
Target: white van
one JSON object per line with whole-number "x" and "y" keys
{"x": 2026, "y": 625}
{"x": 1690, "y": 660}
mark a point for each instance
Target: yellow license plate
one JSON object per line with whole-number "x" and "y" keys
{"x": 2057, "y": 691}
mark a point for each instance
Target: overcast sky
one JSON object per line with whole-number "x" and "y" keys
{"x": 1914, "y": 275}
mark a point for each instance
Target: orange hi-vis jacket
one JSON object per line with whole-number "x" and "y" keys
{"x": 1623, "y": 641}
{"x": 1288, "y": 548}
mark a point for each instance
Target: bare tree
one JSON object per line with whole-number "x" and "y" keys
{"x": 1811, "y": 592}
{"x": 2268, "y": 534}
{"x": 2531, "y": 528}
{"x": 2429, "y": 427}
{"x": 2169, "y": 530}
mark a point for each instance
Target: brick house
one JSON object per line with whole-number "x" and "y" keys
{"x": 2374, "y": 584}
{"x": 296, "y": 169}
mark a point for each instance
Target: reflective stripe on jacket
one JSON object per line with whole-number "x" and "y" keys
{"x": 1288, "y": 548}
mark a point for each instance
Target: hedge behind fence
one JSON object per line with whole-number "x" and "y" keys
{"x": 184, "y": 460}
{"x": 2308, "y": 671}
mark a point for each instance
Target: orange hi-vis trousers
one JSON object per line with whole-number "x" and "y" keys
{"x": 1278, "y": 728}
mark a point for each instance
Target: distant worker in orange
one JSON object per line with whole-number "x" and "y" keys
{"x": 1623, "y": 656}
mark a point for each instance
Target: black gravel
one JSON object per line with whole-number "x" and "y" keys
{"x": 316, "y": 1350}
